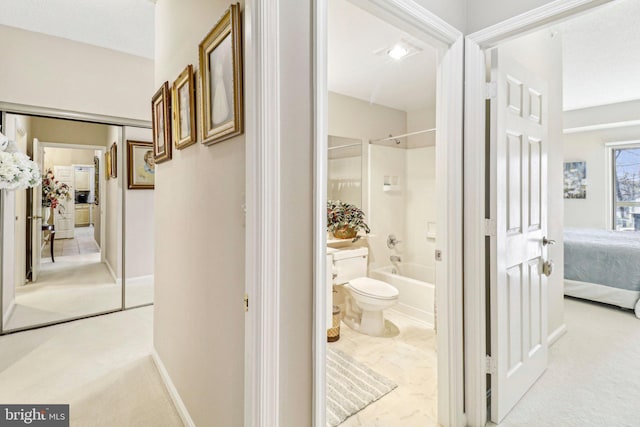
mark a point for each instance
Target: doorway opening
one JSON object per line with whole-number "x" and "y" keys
{"x": 586, "y": 103}
{"x": 388, "y": 107}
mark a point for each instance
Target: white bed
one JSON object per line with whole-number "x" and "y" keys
{"x": 603, "y": 266}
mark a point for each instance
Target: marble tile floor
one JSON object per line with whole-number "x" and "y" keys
{"x": 408, "y": 357}
{"x": 82, "y": 243}
{"x": 101, "y": 366}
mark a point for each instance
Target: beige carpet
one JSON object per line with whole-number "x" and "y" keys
{"x": 100, "y": 366}
{"x": 593, "y": 378}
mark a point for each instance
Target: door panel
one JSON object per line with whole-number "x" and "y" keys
{"x": 518, "y": 289}
{"x": 64, "y": 219}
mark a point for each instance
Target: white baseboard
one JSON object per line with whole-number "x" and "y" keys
{"x": 173, "y": 392}
{"x": 113, "y": 273}
{"x": 555, "y": 335}
{"x": 8, "y": 314}
{"x": 133, "y": 280}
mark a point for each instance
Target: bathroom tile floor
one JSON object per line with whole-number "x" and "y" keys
{"x": 409, "y": 359}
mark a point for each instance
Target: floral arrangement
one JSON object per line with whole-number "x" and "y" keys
{"x": 53, "y": 191}
{"x": 17, "y": 171}
{"x": 344, "y": 216}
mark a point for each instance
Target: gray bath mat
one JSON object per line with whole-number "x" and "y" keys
{"x": 351, "y": 386}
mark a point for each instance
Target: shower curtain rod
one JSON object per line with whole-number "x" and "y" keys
{"x": 391, "y": 137}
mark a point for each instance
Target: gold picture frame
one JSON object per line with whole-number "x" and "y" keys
{"x": 107, "y": 165}
{"x": 113, "y": 164}
{"x": 220, "y": 56}
{"x": 161, "y": 121}
{"x": 184, "y": 109}
{"x": 140, "y": 165}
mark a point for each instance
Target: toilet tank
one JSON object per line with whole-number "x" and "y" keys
{"x": 349, "y": 264}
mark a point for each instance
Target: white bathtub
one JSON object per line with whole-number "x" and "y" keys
{"x": 415, "y": 286}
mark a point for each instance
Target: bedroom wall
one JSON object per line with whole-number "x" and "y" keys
{"x": 589, "y": 146}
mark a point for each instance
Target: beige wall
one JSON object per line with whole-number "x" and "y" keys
{"x": 199, "y": 235}
{"x": 69, "y": 131}
{"x": 48, "y": 71}
{"x": 543, "y": 55}
{"x": 139, "y": 219}
{"x": 54, "y": 156}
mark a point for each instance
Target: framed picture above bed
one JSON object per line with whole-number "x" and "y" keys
{"x": 575, "y": 180}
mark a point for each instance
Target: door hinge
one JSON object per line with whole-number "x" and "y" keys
{"x": 246, "y": 302}
{"x": 490, "y": 227}
{"x": 490, "y": 365}
{"x": 490, "y": 90}
{"x": 438, "y": 255}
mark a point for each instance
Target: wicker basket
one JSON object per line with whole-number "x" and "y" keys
{"x": 333, "y": 333}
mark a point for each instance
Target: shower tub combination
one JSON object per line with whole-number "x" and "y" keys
{"x": 415, "y": 284}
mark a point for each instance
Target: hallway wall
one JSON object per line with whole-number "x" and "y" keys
{"x": 199, "y": 236}
{"x": 47, "y": 71}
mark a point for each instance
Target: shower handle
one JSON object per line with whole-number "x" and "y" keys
{"x": 392, "y": 241}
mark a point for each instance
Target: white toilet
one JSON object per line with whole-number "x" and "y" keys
{"x": 367, "y": 298}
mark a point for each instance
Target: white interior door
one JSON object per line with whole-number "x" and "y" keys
{"x": 36, "y": 212}
{"x": 65, "y": 221}
{"x": 519, "y": 206}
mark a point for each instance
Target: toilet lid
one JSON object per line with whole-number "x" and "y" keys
{"x": 373, "y": 288}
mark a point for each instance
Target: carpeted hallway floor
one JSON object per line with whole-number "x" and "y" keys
{"x": 101, "y": 366}
{"x": 593, "y": 378}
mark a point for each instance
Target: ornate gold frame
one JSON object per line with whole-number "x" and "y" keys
{"x": 185, "y": 78}
{"x": 161, "y": 100}
{"x": 228, "y": 26}
{"x": 130, "y": 184}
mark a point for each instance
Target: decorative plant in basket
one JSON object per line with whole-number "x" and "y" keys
{"x": 344, "y": 220}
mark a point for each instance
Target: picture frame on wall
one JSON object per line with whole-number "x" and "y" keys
{"x": 113, "y": 168}
{"x": 575, "y": 180}
{"x": 161, "y": 123}
{"x": 184, "y": 109}
{"x": 140, "y": 165}
{"x": 107, "y": 165}
{"x": 220, "y": 57}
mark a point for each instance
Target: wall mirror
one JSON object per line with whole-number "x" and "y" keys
{"x": 63, "y": 253}
{"x": 347, "y": 170}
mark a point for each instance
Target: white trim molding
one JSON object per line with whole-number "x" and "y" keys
{"x": 411, "y": 17}
{"x": 475, "y": 195}
{"x": 557, "y": 334}
{"x": 262, "y": 266}
{"x": 173, "y": 392}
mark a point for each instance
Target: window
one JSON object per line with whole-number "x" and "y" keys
{"x": 626, "y": 188}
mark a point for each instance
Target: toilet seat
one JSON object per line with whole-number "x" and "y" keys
{"x": 373, "y": 288}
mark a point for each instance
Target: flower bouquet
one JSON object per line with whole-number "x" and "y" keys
{"x": 54, "y": 191}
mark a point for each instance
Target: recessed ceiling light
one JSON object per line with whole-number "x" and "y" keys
{"x": 398, "y": 52}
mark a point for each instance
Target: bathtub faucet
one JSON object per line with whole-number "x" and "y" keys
{"x": 395, "y": 258}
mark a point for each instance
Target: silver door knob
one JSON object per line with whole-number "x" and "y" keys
{"x": 548, "y": 242}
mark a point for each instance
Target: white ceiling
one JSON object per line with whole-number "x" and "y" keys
{"x": 601, "y": 56}
{"x": 356, "y": 70}
{"x": 122, "y": 25}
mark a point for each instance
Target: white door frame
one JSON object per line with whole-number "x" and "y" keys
{"x": 416, "y": 20}
{"x": 475, "y": 225}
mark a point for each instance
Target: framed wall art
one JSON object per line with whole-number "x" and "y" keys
{"x": 184, "y": 109}
{"x": 575, "y": 180}
{"x": 107, "y": 165}
{"x": 220, "y": 55}
{"x": 161, "y": 121}
{"x": 140, "y": 165}
{"x": 113, "y": 168}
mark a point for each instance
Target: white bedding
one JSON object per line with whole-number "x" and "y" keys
{"x": 621, "y": 297}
